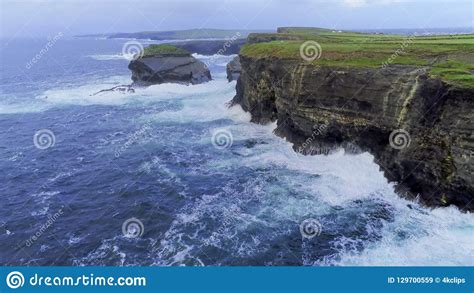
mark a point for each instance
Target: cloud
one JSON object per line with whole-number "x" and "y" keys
{"x": 355, "y": 3}
{"x": 360, "y": 3}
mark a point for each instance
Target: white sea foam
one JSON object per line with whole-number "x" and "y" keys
{"x": 69, "y": 95}
{"x": 199, "y": 103}
{"x": 120, "y": 56}
{"x": 84, "y": 94}
{"x": 442, "y": 236}
{"x": 416, "y": 236}
{"x": 105, "y": 57}
{"x": 214, "y": 56}
{"x": 40, "y": 212}
{"x": 16, "y": 108}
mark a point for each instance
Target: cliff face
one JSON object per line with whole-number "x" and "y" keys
{"x": 418, "y": 128}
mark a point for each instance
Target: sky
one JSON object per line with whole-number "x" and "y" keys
{"x": 46, "y": 18}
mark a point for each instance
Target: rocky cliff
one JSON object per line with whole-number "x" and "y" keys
{"x": 418, "y": 128}
{"x": 233, "y": 69}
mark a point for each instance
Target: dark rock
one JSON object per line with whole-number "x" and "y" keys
{"x": 125, "y": 89}
{"x": 233, "y": 69}
{"x": 363, "y": 107}
{"x": 168, "y": 68}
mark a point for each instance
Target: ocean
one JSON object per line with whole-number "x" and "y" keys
{"x": 200, "y": 184}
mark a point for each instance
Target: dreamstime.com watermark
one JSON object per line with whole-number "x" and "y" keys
{"x": 51, "y": 220}
{"x": 318, "y": 129}
{"x": 221, "y": 51}
{"x": 16, "y": 280}
{"x": 51, "y": 42}
{"x": 400, "y": 51}
{"x": 133, "y": 138}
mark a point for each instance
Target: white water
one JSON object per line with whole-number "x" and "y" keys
{"x": 442, "y": 236}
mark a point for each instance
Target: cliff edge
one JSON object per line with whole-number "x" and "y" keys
{"x": 414, "y": 117}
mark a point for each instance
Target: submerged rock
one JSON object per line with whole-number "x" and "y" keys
{"x": 125, "y": 89}
{"x": 166, "y": 63}
{"x": 233, "y": 69}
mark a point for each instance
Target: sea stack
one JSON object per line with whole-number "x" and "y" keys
{"x": 167, "y": 64}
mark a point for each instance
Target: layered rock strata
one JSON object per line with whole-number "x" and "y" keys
{"x": 419, "y": 129}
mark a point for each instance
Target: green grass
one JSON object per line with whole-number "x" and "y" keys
{"x": 450, "y": 57}
{"x": 456, "y": 72}
{"x": 164, "y": 49}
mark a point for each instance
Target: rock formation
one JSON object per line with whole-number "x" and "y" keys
{"x": 233, "y": 69}
{"x": 418, "y": 128}
{"x": 165, "y": 63}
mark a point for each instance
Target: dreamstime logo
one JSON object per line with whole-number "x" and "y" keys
{"x": 399, "y": 139}
{"x": 310, "y": 228}
{"x": 310, "y": 51}
{"x": 15, "y": 280}
{"x": 133, "y": 228}
{"x": 44, "y": 138}
{"x": 222, "y": 139}
{"x": 132, "y": 50}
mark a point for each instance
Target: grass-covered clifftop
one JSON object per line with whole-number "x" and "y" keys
{"x": 164, "y": 50}
{"x": 449, "y": 57}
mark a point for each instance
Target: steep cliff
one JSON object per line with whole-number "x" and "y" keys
{"x": 419, "y": 128}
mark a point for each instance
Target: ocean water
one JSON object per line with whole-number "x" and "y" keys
{"x": 206, "y": 186}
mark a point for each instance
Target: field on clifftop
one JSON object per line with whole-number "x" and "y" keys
{"x": 449, "y": 57}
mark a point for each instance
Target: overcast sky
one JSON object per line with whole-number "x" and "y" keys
{"x": 40, "y": 18}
